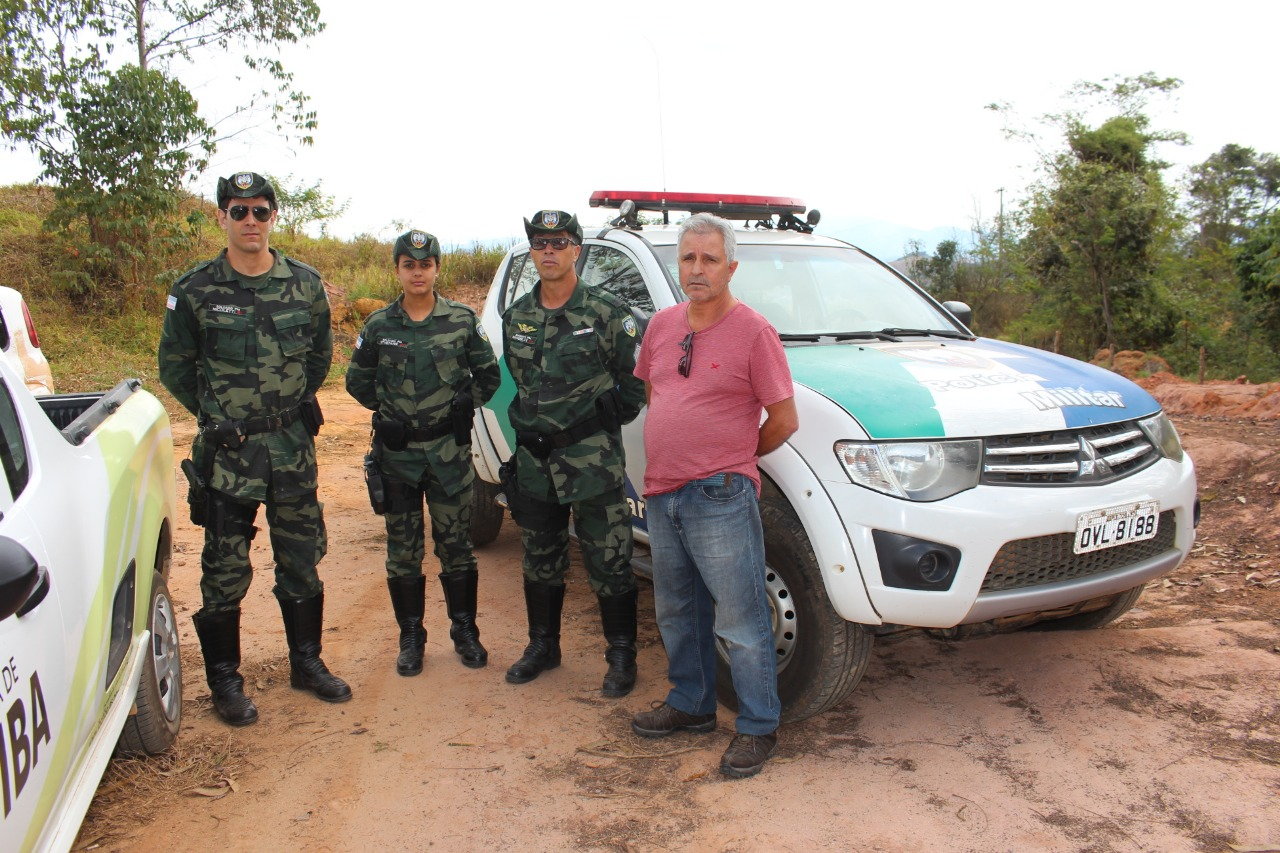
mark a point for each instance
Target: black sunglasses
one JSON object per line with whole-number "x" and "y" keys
{"x": 240, "y": 211}
{"x": 557, "y": 243}
{"x": 686, "y": 360}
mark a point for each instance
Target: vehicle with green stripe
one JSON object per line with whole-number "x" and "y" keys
{"x": 88, "y": 643}
{"x": 937, "y": 481}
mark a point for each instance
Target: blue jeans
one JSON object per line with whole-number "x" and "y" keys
{"x": 708, "y": 582}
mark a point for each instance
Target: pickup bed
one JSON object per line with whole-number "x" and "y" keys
{"x": 88, "y": 644}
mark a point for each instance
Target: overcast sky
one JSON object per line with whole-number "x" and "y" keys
{"x": 461, "y": 118}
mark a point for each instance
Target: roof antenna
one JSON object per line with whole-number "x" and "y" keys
{"x": 662, "y": 138}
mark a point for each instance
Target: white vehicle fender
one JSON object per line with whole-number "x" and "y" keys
{"x": 836, "y": 559}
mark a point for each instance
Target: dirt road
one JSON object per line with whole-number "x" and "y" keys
{"x": 1160, "y": 733}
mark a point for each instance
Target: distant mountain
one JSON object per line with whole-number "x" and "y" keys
{"x": 887, "y": 240}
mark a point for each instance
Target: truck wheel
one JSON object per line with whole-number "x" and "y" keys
{"x": 486, "y": 512}
{"x": 159, "y": 701}
{"x": 1120, "y": 605}
{"x": 821, "y": 657}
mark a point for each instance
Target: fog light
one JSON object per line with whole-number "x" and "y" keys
{"x": 910, "y": 563}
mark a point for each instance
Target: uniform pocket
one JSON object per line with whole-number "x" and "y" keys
{"x": 227, "y": 336}
{"x": 451, "y": 363}
{"x": 293, "y": 330}
{"x": 579, "y": 358}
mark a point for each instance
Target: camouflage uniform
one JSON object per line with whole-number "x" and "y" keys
{"x": 561, "y": 361}
{"x": 572, "y": 367}
{"x": 237, "y": 348}
{"x": 242, "y": 353}
{"x": 410, "y": 371}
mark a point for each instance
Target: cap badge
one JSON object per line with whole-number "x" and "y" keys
{"x": 418, "y": 239}
{"x": 244, "y": 180}
{"x": 550, "y": 218}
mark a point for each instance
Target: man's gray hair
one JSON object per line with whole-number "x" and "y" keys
{"x": 709, "y": 223}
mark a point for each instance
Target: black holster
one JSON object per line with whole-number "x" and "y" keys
{"x": 312, "y": 417}
{"x": 608, "y": 408}
{"x": 461, "y": 412}
{"x": 376, "y": 483}
{"x": 197, "y": 493}
{"x": 527, "y": 511}
{"x": 394, "y": 434}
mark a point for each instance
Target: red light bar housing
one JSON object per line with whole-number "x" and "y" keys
{"x": 727, "y": 206}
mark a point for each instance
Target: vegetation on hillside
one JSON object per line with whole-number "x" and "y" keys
{"x": 1104, "y": 253}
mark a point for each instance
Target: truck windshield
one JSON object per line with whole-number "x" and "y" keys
{"x": 825, "y": 290}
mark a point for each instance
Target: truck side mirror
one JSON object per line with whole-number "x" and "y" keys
{"x": 960, "y": 311}
{"x": 22, "y": 584}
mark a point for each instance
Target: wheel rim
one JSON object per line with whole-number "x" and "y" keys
{"x": 164, "y": 657}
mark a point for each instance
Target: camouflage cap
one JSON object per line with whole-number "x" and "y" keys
{"x": 546, "y": 222}
{"x": 245, "y": 185}
{"x": 418, "y": 245}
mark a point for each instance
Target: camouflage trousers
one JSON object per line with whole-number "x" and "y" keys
{"x": 298, "y": 542}
{"x": 603, "y": 527}
{"x": 450, "y": 528}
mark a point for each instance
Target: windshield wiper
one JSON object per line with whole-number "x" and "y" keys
{"x": 940, "y": 333}
{"x": 839, "y": 336}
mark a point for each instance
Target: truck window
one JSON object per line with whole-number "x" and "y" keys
{"x": 611, "y": 270}
{"x": 521, "y": 277}
{"x": 13, "y": 451}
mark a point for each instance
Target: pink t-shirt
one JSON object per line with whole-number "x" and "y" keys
{"x": 709, "y": 422}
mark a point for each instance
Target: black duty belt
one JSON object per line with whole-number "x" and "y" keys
{"x": 231, "y": 433}
{"x": 541, "y": 444}
{"x": 430, "y": 433}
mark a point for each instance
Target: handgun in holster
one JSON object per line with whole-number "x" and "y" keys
{"x": 608, "y": 407}
{"x": 461, "y": 413}
{"x": 373, "y": 479}
{"x": 197, "y": 493}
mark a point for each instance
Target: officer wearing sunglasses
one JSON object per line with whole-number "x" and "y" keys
{"x": 245, "y": 346}
{"x": 571, "y": 351}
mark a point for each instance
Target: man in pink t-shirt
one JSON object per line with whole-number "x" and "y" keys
{"x": 711, "y": 366}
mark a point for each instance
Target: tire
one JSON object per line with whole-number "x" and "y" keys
{"x": 159, "y": 701}
{"x": 821, "y": 657}
{"x": 486, "y": 512}
{"x": 1121, "y": 604}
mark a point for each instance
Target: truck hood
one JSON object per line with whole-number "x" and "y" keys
{"x": 930, "y": 388}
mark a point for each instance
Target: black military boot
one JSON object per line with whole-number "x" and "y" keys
{"x": 543, "y": 603}
{"x": 303, "y": 619}
{"x": 460, "y": 601}
{"x": 618, "y": 616}
{"x": 407, "y": 596}
{"x": 219, "y": 635}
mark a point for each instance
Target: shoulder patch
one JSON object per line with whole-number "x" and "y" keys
{"x": 629, "y": 326}
{"x": 481, "y": 332}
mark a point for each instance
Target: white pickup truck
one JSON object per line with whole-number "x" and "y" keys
{"x": 88, "y": 642}
{"x": 938, "y": 480}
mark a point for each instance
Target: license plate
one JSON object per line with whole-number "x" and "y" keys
{"x": 1116, "y": 525}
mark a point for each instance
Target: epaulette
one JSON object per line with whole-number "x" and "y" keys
{"x": 455, "y": 304}
{"x": 300, "y": 265}
{"x": 613, "y": 299}
{"x": 197, "y": 268}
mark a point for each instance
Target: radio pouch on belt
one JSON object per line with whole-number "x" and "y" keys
{"x": 312, "y": 417}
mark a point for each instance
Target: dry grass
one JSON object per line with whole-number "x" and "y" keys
{"x": 134, "y": 790}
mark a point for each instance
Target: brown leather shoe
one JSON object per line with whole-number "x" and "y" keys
{"x": 664, "y": 720}
{"x": 747, "y": 754}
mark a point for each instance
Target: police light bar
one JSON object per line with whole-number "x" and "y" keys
{"x": 727, "y": 206}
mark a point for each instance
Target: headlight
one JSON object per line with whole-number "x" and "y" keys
{"x": 1162, "y": 434}
{"x": 914, "y": 470}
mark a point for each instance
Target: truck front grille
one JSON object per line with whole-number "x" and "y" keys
{"x": 1090, "y": 456}
{"x": 1049, "y": 559}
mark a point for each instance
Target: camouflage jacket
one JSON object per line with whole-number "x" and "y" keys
{"x": 231, "y": 350}
{"x": 410, "y": 371}
{"x": 561, "y": 361}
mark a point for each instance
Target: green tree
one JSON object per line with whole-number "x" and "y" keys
{"x": 301, "y": 205}
{"x": 105, "y": 127}
{"x": 1231, "y": 191}
{"x": 1258, "y": 265}
{"x": 1098, "y": 220}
